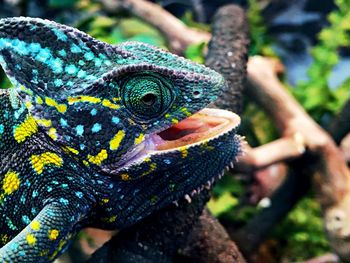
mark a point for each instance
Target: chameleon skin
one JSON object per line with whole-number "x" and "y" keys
{"x": 80, "y": 135}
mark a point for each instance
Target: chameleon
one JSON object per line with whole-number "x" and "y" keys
{"x": 99, "y": 135}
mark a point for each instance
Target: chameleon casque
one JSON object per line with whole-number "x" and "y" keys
{"x": 99, "y": 135}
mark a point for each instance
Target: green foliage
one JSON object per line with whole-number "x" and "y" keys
{"x": 315, "y": 94}
{"x": 302, "y": 232}
{"x": 260, "y": 44}
{"x": 195, "y": 52}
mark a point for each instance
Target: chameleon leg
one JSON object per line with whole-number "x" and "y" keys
{"x": 44, "y": 237}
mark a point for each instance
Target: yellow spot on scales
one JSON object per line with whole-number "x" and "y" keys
{"x": 152, "y": 167}
{"x": 115, "y": 142}
{"x": 109, "y": 219}
{"x": 90, "y": 99}
{"x": 53, "y": 133}
{"x": 44, "y": 122}
{"x": 47, "y": 158}
{"x": 11, "y": 182}
{"x": 25, "y": 129}
{"x": 70, "y": 149}
{"x": 4, "y": 239}
{"x": 183, "y": 151}
{"x": 175, "y": 121}
{"x": 31, "y": 239}
{"x": 99, "y": 158}
{"x": 39, "y": 100}
{"x": 125, "y": 177}
{"x": 28, "y": 104}
{"x": 104, "y": 200}
{"x": 53, "y": 234}
{"x": 187, "y": 113}
{"x": 139, "y": 139}
{"x": 110, "y": 105}
{"x": 52, "y": 103}
{"x": 35, "y": 225}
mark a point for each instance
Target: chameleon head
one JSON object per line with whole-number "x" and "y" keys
{"x": 99, "y": 101}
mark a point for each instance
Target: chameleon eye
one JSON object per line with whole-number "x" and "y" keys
{"x": 147, "y": 96}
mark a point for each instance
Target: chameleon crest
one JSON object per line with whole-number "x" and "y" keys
{"x": 99, "y": 135}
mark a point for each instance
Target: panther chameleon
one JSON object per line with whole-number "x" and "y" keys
{"x": 99, "y": 135}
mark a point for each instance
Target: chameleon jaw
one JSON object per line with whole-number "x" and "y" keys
{"x": 205, "y": 125}
{"x": 200, "y": 128}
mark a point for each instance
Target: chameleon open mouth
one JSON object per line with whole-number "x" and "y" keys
{"x": 204, "y": 125}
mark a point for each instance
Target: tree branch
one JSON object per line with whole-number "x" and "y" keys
{"x": 178, "y": 34}
{"x": 331, "y": 175}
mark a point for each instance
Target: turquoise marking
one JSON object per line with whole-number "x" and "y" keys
{"x": 79, "y": 130}
{"x": 59, "y": 34}
{"x": 58, "y": 82}
{"x": 82, "y": 146}
{"x": 115, "y": 120}
{"x": 57, "y": 65}
{"x": 25, "y": 220}
{"x": 34, "y": 47}
{"x": 45, "y": 56}
{"x": 33, "y": 211}
{"x": 2, "y": 129}
{"x": 81, "y": 62}
{"x": 64, "y": 201}
{"x": 71, "y": 69}
{"x": 19, "y": 111}
{"x": 79, "y": 194}
{"x": 96, "y": 128}
{"x": 98, "y": 62}
{"x": 75, "y": 49}
{"x": 63, "y": 122}
{"x": 82, "y": 74}
{"x": 62, "y": 53}
{"x": 93, "y": 112}
{"x": 14, "y": 245}
{"x": 107, "y": 62}
{"x": 89, "y": 56}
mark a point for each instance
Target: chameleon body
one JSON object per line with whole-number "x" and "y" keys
{"x": 98, "y": 135}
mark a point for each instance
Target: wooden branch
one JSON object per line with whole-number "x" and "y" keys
{"x": 280, "y": 150}
{"x": 331, "y": 175}
{"x": 340, "y": 126}
{"x": 177, "y": 33}
{"x": 283, "y": 200}
{"x": 326, "y": 258}
{"x": 345, "y": 147}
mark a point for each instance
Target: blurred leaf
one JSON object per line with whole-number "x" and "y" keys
{"x": 189, "y": 21}
{"x": 195, "y": 52}
{"x": 222, "y": 204}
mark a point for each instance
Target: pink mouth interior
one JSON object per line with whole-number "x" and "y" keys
{"x": 196, "y": 128}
